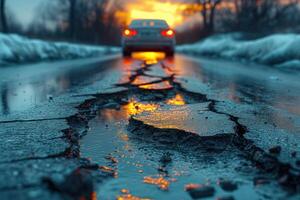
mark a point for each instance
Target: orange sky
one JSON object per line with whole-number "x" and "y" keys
{"x": 174, "y": 12}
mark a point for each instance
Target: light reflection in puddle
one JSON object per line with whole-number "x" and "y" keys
{"x": 135, "y": 107}
{"x": 136, "y": 165}
{"x": 143, "y": 80}
{"x": 124, "y": 112}
{"x": 164, "y": 85}
{"x": 161, "y": 182}
{"x": 165, "y": 119}
{"x": 178, "y": 100}
{"x": 124, "y": 137}
{"x": 150, "y": 58}
{"x": 191, "y": 186}
{"x": 106, "y": 169}
{"x": 127, "y": 196}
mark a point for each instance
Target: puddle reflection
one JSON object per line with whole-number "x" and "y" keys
{"x": 34, "y": 84}
{"x": 164, "y": 85}
{"x": 134, "y": 107}
{"x": 161, "y": 182}
{"x": 127, "y": 196}
{"x": 21, "y": 96}
{"x": 150, "y": 58}
{"x": 178, "y": 100}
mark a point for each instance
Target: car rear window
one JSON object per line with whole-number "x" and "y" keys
{"x": 149, "y": 23}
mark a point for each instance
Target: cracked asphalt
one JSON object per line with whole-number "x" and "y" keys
{"x": 149, "y": 127}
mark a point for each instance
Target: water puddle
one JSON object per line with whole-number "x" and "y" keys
{"x": 137, "y": 164}
{"x": 178, "y": 100}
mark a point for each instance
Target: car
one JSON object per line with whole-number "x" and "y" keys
{"x": 148, "y": 35}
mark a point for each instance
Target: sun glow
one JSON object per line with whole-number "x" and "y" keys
{"x": 173, "y": 12}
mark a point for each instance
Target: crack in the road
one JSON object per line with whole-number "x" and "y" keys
{"x": 179, "y": 139}
{"x": 240, "y": 129}
{"x": 32, "y": 120}
{"x": 24, "y": 186}
{"x": 79, "y": 124}
{"x": 58, "y": 155}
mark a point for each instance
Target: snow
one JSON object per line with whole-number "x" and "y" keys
{"x": 280, "y": 50}
{"x": 18, "y": 49}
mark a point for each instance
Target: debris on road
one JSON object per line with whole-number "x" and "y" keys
{"x": 200, "y": 192}
{"x": 228, "y": 186}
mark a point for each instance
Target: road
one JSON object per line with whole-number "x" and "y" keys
{"x": 149, "y": 127}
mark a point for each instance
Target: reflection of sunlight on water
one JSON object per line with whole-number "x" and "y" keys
{"x": 124, "y": 137}
{"x": 178, "y": 100}
{"x": 132, "y": 108}
{"x": 142, "y": 80}
{"x": 157, "y": 86}
{"x": 150, "y": 58}
{"x": 127, "y": 196}
{"x": 106, "y": 169}
{"x": 177, "y": 119}
{"x": 126, "y": 70}
{"x": 162, "y": 183}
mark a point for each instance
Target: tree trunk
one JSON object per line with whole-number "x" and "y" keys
{"x": 204, "y": 15}
{"x": 3, "y": 16}
{"x": 72, "y": 19}
{"x": 205, "y": 30}
{"x": 211, "y": 24}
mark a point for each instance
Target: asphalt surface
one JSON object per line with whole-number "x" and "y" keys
{"x": 149, "y": 127}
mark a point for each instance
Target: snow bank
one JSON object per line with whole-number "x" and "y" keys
{"x": 17, "y": 49}
{"x": 281, "y": 50}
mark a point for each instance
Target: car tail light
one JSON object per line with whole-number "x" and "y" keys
{"x": 168, "y": 33}
{"x": 129, "y": 32}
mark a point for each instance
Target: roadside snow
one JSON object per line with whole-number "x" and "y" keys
{"x": 17, "y": 49}
{"x": 281, "y": 50}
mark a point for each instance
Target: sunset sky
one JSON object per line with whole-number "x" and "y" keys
{"x": 24, "y": 9}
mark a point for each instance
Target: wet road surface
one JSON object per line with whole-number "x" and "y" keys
{"x": 181, "y": 128}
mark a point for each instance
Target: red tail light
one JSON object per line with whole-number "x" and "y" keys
{"x": 129, "y": 32}
{"x": 168, "y": 33}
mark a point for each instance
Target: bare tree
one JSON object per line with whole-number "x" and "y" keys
{"x": 208, "y": 13}
{"x": 261, "y": 15}
{"x": 72, "y": 18}
{"x": 81, "y": 21}
{"x": 51, "y": 20}
{"x": 3, "y": 16}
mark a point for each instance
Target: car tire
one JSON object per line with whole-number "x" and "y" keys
{"x": 126, "y": 53}
{"x": 170, "y": 53}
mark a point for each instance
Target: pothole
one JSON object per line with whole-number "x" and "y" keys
{"x": 118, "y": 132}
{"x": 130, "y": 132}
